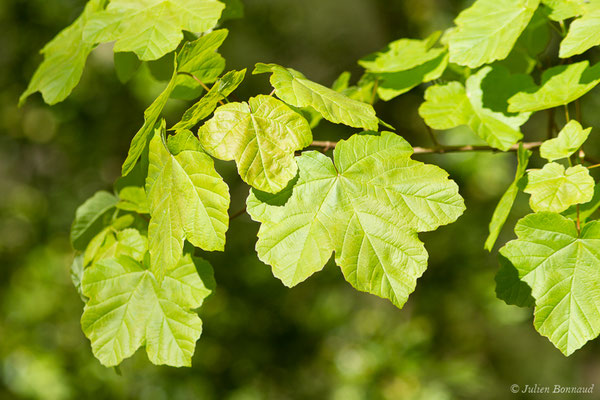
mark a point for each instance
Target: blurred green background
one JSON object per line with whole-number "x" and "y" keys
{"x": 320, "y": 340}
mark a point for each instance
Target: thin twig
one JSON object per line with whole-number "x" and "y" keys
{"x": 567, "y": 113}
{"x": 326, "y": 145}
{"x": 594, "y": 166}
{"x": 551, "y": 124}
{"x": 375, "y": 86}
{"x": 200, "y": 82}
{"x": 431, "y": 134}
{"x": 237, "y": 214}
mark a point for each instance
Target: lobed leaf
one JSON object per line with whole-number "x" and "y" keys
{"x": 88, "y": 218}
{"x": 584, "y": 32}
{"x": 451, "y": 105}
{"x": 64, "y": 59}
{"x": 571, "y": 137}
{"x": 261, "y": 136}
{"x": 488, "y": 30}
{"x": 151, "y": 28}
{"x": 560, "y": 85}
{"x": 128, "y": 308}
{"x": 188, "y": 199}
{"x": 295, "y": 89}
{"x": 562, "y": 268}
{"x": 367, "y": 206}
{"x": 555, "y": 189}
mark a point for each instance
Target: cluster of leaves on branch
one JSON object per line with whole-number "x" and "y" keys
{"x": 135, "y": 266}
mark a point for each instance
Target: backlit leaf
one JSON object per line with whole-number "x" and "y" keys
{"x": 569, "y": 140}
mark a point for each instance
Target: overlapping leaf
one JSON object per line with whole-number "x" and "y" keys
{"x": 151, "y": 116}
{"x": 128, "y": 308}
{"x": 207, "y": 104}
{"x": 261, "y": 136}
{"x": 562, "y": 268}
{"x": 508, "y": 199}
{"x": 584, "y": 32}
{"x": 404, "y": 64}
{"x": 564, "y": 9}
{"x": 451, "y": 105}
{"x": 560, "y": 85}
{"x": 89, "y": 218}
{"x": 200, "y": 59}
{"x": 488, "y": 30}
{"x": 151, "y": 28}
{"x": 188, "y": 199}
{"x": 295, "y": 89}
{"x": 367, "y": 206}
{"x": 569, "y": 140}
{"x": 555, "y": 189}
{"x": 64, "y": 59}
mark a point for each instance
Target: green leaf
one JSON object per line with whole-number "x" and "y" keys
{"x": 234, "y": 9}
{"x": 560, "y": 85}
{"x": 584, "y": 32}
{"x": 451, "y": 105}
{"x": 367, "y": 206}
{"x": 207, "y": 104}
{"x": 564, "y": 9}
{"x": 89, "y": 218}
{"x": 295, "y": 89}
{"x": 554, "y": 189}
{"x": 402, "y": 55}
{"x": 523, "y": 58}
{"x": 110, "y": 244}
{"x": 126, "y": 65}
{"x": 562, "y": 267}
{"x": 508, "y": 199}
{"x": 569, "y": 140}
{"x": 199, "y": 58}
{"x": 128, "y": 308}
{"x": 584, "y": 211}
{"x": 261, "y": 136}
{"x": 77, "y": 275}
{"x": 510, "y": 288}
{"x": 488, "y": 30}
{"x": 182, "y": 141}
{"x": 393, "y": 84}
{"x": 133, "y": 198}
{"x": 151, "y": 28}
{"x": 188, "y": 199}
{"x": 151, "y": 115}
{"x": 64, "y": 59}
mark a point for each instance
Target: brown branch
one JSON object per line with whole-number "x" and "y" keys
{"x": 237, "y": 214}
{"x": 327, "y": 145}
{"x": 194, "y": 77}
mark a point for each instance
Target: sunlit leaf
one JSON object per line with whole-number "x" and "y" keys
{"x": 367, "y": 206}
{"x": 151, "y": 28}
{"x": 451, "y": 105}
{"x": 560, "y": 85}
{"x": 584, "y": 32}
{"x": 128, "y": 308}
{"x": 295, "y": 89}
{"x": 555, "y": 189}
{"x": 64, "y": 59}
{"x": 569, "y": 140}
{"x": 188, "y": 199}
{"x": 562, "y": 268}
{"x": 506, "y": 202}
{"x": 488, "y": 30}
{"x": 261, "y": 136}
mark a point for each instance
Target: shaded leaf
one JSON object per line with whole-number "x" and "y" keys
{"x": 89, "y": 218}
{"x": 505, "y": 204}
